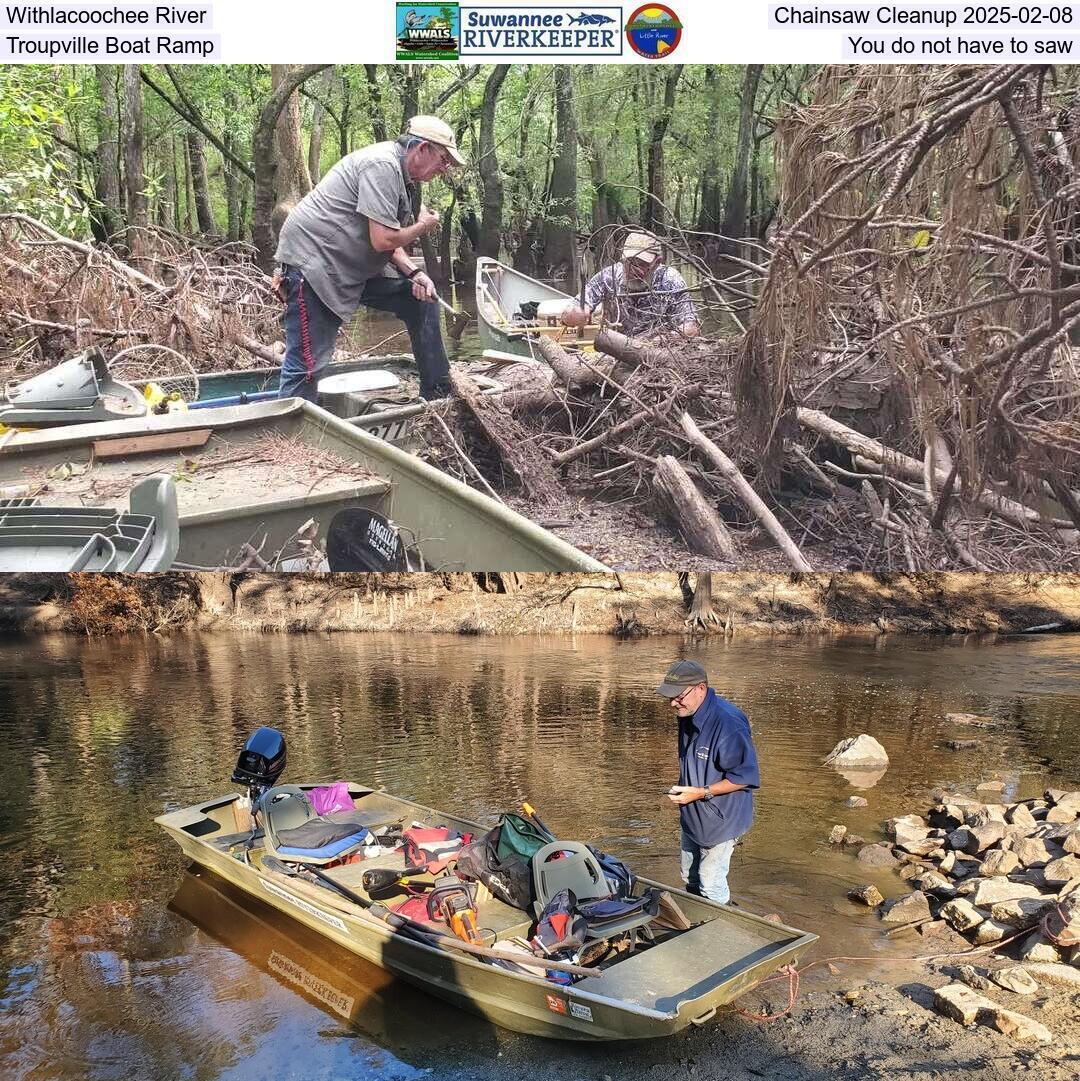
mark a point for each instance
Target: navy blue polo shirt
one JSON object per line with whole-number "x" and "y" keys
{"x": 715, "y": 745}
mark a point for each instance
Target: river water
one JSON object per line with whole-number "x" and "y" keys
{"x": 116, "y": 963}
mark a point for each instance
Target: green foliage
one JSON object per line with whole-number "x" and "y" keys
{"x": 35, "y": 176}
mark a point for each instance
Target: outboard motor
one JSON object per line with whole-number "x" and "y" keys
{"x": 261, "y": 762}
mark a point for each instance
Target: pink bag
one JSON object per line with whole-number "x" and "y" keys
{"x": 330, "y": 798}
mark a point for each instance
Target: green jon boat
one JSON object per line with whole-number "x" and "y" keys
{"x": 679, "y": 979}
{"x": 500, "y": 293}
{"x": 286, "y": 480}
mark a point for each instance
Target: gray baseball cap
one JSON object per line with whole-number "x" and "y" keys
{"x": 681, "y": 676}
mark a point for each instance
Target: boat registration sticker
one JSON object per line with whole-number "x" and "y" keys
{"x": 580, "y": 1011}
{"x": 311, "y": 910}
{"x": 556, "y": 1004}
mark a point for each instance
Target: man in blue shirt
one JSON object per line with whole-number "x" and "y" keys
{"x": 718, "y": 771}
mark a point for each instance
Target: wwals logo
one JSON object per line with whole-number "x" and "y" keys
{"x": 428, "y": 31}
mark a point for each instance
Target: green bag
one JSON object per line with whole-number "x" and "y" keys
{"x": 519, "y": 837}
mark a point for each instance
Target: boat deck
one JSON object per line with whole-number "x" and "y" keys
{"x": 220, "y": 476}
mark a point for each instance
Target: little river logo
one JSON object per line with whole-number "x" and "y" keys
{"x": 654, "y": 30}
{"x": 540, "y": 31}
{"x": 428, "y": 31}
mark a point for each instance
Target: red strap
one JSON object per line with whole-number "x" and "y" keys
{"x": 305, "y": 332}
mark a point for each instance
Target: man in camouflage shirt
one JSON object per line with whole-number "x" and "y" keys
{"x": 644, "y": 296}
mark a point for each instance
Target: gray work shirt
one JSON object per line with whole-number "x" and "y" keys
{"x": 326, "y": 235}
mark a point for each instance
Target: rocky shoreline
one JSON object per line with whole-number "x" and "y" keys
{"x": 997, "y": 884}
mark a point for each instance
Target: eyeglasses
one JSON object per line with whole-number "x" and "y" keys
{"x": 679, "y": 701}
{"x": 444, "y": 156}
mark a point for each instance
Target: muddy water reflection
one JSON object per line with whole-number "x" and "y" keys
{"x": 98, "y": 978}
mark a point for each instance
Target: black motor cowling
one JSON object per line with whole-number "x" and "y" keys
{"x": 262, "y": 761}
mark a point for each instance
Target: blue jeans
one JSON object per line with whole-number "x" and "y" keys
{"x": 705, "y": 870}
{"x": 311, "y": 328}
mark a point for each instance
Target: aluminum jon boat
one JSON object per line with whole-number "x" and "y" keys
{"x": 287, "y": 480}
{"x": 681, "y": 977}
{"x": 377, "y": 394}
{"x": 501, "y": 292}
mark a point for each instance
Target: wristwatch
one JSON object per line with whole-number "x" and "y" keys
{"x": 415, "y": 270}
{"x": 706, "y": 793}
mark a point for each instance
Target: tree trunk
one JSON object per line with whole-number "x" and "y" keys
{"x": 488, "y": 166}
{"x": 133, "y": 137}
{"x": 560, "y": 227}
{"x": 699, "y": 524}
{"x": 734, "y": 224}
{"x": 378, "y": 118}
{"x": 265, "y": 160}
{"x": 200, "y": 183}
{"x": 292, "y": 181}
{"x": 656, "y": 216}
{"x": 189, "y": 189}
{"x": 318, "y": 123}
{"x": 178, "y": 223}
{"x": 110, "y": 215}
{"x": 708, "y": 219}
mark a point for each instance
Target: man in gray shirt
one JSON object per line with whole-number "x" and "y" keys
{"x": 344, "y": 244}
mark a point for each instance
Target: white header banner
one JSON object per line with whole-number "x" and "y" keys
{"x": 385, "y": 31}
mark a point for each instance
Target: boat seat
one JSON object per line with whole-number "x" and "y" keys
{"x": 578, "y": 870}
{"x": 294, "y": 832}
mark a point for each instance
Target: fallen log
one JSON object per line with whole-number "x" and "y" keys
{"x": 566, "y": 366}
{"x": 908, "y": 468}
{"x": 742, "y": 489}
{"x": 700, "y": 525}
{"x": 629, "y": 350}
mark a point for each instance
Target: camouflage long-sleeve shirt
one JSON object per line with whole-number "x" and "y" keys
{"x": 665, "y": 304}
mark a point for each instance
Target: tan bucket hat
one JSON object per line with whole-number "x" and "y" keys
{"x": 433, "y": 130}
{"x": 641, "y": 246}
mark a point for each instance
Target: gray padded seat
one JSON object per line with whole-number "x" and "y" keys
{"x": 578, "y": 870}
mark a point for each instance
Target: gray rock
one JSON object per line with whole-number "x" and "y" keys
{"x": 1060, "y": 798}
{"x": 935, "y": 883}
{"x": 1019, "y": 815}
{"x": 961, "y": 744}
{"x": 947, "y": 863}
{"x": 858, "y": 752}
{"x": 959, "y": 839}
{"x": 906, "y": 909}
{"x": 856, "y": 801}
{"x": 1060, "y": 975}
{"x": 1000, "y": 863}
{"x": 991, "y": 786}
{"x": 989, "y": 932}
{"x": 1016, "y": 1026}
{"x": 924, "y": 848}
{"x": 946, "y": 816}
{"x": 981, "y": 838}
{"x": 852, "y": 839}
{"x": 1059, "y": 872}
{"x": 972, "y": 720}
{"x": 958, "y": 1002}
{"x": 1071, "y": 841}
{"x": 961, "y": 915}
{"x": 879, "y": 855}
{"x": 973, "y": 978}
{"x": 837, "y": 835}
{"x": 1015, "y": 978}
{"x": 866, "y": 895}
{"x": 963, "y": 867}
{"x": 1032, "y": 852}
{"x": 1060, "y": 816}
{"x": 908, "y": 871}
{"x": 992, "y": 891}
{"x": 1021, "y": 912}
{"x": 915, "y": 822}
{"x": 1038, "y": 948}
{"x": 985, "y": 815}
